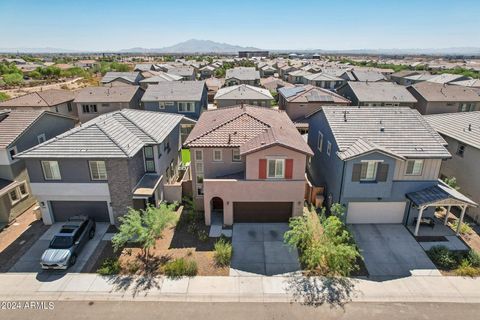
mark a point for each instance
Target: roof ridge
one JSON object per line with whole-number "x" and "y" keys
{"x": 38, "y": 94}
{"x": 97, "y": 124}
{"x": 136, "y": 125}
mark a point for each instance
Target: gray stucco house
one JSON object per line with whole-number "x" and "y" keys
{"x": 243, "y": 93}
{"x": 382, "y": 164}
{"x": 188, "y": 98}
{"x": 377, "y": 94}
{"x": 242, "y": 75}
{"x": 19, "y": 131}
{"x": 122, "y": 159}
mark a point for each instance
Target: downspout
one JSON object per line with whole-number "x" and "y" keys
{"x": 341, "y": 182}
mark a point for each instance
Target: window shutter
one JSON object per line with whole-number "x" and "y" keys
{"x": 289, "y": 169}
{"x": 357, "y": 170}
{"x": 382, "y": 172}
{"x": 262, "y": 169}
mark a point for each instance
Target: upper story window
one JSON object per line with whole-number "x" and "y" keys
{"x": 166, "y": 145}
{"x": 89, "y": 108}
{"x": 12, "y": 152}
{"x": 276, "y": 168}
{"x": 98, "y": 170}
{"x": 466, "y": 107}
{"x": 41, "y": 138}
{"x": 149, "y": 159}
{"x": 217, "y": 155}
{"x": 51, "y": 170}
{"x": 69, "y": 107}
{"x": 320, "y": 141}
{"x": 461, "y": 150}
{"x": 414, "y": 167}
{"x": 369, "y": 171}
{"x": 329, "y": 148}
{"x": 198, "y": 155}
{"x": 186, "y": 107}
{"x": 236, "y": 157}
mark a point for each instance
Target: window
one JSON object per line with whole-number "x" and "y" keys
{"x": 186, "y": 107}
{"x": 51, "y": 170}
{"x": 89, "y": 108}
{"x": 461, "y": 150}
{"x": 369, "y": 171}
{"x": 166, "y": 145}
{"x": 169, "y": 103}
{"x": 12, "y": 152}
{"x": 329, "y": 148}
{"x": 217, "y": 155}
{"x": 149, "y": 159}
{"x": 414, "y": 167}
{"x": 320, "y": 141}
{"x": 199, "y": 167}
{"x": 198, "y": 155}
{"x": 161, "y": 105}
{"x": 23, "y": 190}
{"x": 69, "y": 106}
{"x": 41, "y": 138}
{"x": 98, "y": 171}
{"x": 236, "y": 157}
{"x": 467, "y": 107}
{"x": 105, "y": 104}
{"x": 276, "y": 168}
{"x": 14, "y": 198}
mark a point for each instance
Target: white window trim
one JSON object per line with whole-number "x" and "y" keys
{"x": 221, "y": 155}
{"x": 282, "y": 176}
{"x": 17, "y": 192}
{"x": 14, "y": 148}
{"x": 23, "y": 196}
{"x": 320, "y": 145}
{"x": 414, "y": 174}
{"x": 329, "y": 148}
{"x": 161, "y": 105}
{"x": 45, "y": 176}
{"x": 187, "y": 103}
{"x": 376, "y": 162}
{"x": 91, "y": 172}
{"x": 201, "y": 152}
{"x": 239, "y": 159}
{"x": 41, "y": 136}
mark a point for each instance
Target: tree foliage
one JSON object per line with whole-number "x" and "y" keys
{"x": 452, "y": 183}
{"x": 4, "y": 96}
{"x": 13, "y": 79}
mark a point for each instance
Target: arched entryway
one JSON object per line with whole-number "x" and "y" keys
{"x": 217, "y": 210}
{"x": 217, "y": 203}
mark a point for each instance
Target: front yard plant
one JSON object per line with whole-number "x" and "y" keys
{"x": 458, "y": 263}
{"x": 180, "y": 267}
{"x": 325, "y": 245}
{"x": 223, "y": 252}
{"x": 110, "y": 266}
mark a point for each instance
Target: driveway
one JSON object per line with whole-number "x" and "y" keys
{"x": 390, "y": 251}
{"x": 258, "y": 249}
{"x": 30, "y": 261}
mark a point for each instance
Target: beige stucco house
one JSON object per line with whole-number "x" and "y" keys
{"x": 248, "y": 165}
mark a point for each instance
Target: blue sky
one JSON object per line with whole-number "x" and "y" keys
{"x": 276, "y": 24}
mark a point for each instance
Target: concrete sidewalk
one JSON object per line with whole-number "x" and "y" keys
{"x": 315, "y": 290}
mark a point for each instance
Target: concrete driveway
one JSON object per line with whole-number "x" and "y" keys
{"x": 30, "y": 261}
{"x": 390, "y": 251}
{"x": 258, "y": 249}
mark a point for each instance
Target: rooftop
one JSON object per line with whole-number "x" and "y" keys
{"x": 243, "y": 91}
{"x": 243, "y": 73}
{"x": 444, "y": 92}
{"x": 309, "y": 93}
{"x": 175, "y": 91}
{"x": 46, "y": 98}
{"x": 106, "y": 94}
{"x": 381, "y": 92}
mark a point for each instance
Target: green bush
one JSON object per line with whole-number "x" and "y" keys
{"x": 474, "y": 258}
{"x": 464, "y": 228}
{"x": 467, "y": 270}
{"x": 443, "y": 258}
{"x": 109, "y": 266}
{"x": 181, "y": 267}
{"x": 13, "y": 79}
{"x": 4, "y": 96}
{"x": 223, "y": 252}
{"x": 202, "y": 235}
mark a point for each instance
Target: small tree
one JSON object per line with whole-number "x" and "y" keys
{"x": 144, "y": 227}
{"x": 452, "y": 183}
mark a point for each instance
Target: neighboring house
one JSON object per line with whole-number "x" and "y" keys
{"x": 188, "y": 98}
{"x": 379, "y": 163}
{"x": 298, "y": 76}
{"x": 462, "y": 133}
{"x": 324, "y": 80}
{"x": 213, "y": 85}
{"x": 20, "y": 130}
{"x": 301, "y": 101}
{"x": 94, "y": 101}
{"x": 285, "y": 70}
{"x": 207, "y": 72}
{"x": 144, "y": 67}
{"x": 159, "y": 77}
{"x": 436, "y": 98}
{"x": 267, "y": 71}
{"x": 118, "y": 160}
{"x": 470, "y": 83}
{"x": 248, "y": 165}
{"x": 53, "y": 100}
{"x": 409, "y": 77}
{"x": 445, "y": 78}
{"x": 364, "y": 75}
{"x": 272, "y": 84}
{"x": 121, "y": 78}
{"x": 235, "y": 95}
{"x": 186, "y": 72}
{"x": 377, "y": 94}
{"x": 242, "y": 75}
{"x": 86, "y": 64}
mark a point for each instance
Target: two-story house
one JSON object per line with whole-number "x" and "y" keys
{"x": 53, "y": 100}
{"x": 461, "y": 130}
{"x": 113, "y": 78}
{"x": 382, "y": 164}
{"x": 118, "y": 160}
{"x": 434, "y": 98}
{"x": 242, "y": 75}
{"x": 21, "y": 130}
{"x": 243, "y": 93}
{"x": 377, "y": 94}
{"x": 324, "y": 80}
{"x": 248, "y": 165}
{"x": 188, "y": 98}
{"x": 91, "y": 102}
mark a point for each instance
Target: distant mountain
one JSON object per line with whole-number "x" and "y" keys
{"x": 194, "y": 46}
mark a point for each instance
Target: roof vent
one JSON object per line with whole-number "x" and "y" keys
{"x": 345, "y": 116}
{"x": 469, "y": 127}
{"x": 382, "y": 129}
{"x": 262, "y": 143}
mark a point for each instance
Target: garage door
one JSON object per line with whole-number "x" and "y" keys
{"x": 262, "y": 211}
{"x": 62, "y": 210}
{"x": 375, "y": 212}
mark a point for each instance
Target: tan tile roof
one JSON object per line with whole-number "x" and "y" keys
{"x": 15, "y": 123}
{"x": 40, "y": 99}
{"x": 309, "y": 93}
{"x": 248, "y": 127}
{"x": 443, "y": 92}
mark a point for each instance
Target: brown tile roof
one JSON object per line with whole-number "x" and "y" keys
{"x": 107, "y": 94}
{"x": 443, "y": 92}
{"x": 40, "y": 99}
{"x": 248, "y": 127}
{"x": 13, "y": 123}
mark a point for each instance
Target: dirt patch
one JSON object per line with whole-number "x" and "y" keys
{"x": 18, "y": 237}
{"x": 472, "y": 239}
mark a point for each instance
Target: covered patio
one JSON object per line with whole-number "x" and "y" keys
{"x": 440, "y": 195}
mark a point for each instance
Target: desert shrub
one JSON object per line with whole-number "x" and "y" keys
{"x": 4, "y": 96}
{"x": 467, "y": 270}
{"x": 109, "y": 266}
{"x": 180, "y": 267}
{"x": 133, "y": 266}
{"x": 465, "y": 228}
{"x": 202, "y": 235}
{"x": 443, "y": 257}
{"x": 223, "y": 252}
{"x": 474, "y": 258}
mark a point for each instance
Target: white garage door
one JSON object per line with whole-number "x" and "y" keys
{"x": 375, "y": 212}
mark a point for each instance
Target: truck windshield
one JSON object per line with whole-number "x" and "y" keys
{"x": 61, "y": 242}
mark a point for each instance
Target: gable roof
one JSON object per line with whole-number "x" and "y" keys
{"x": 175, "y": 91}
{"x": 243, "y": 91}
{"x": 309, "y": 93}
{"x": 431, "y": 91}
{"x": 131, "y": 77}
{"x": 473, "y": 83}
{"x": 14, "y": 123}
{"x": 322, "y": 76}
{"x": 118, "y": 134}
{"x": 446, "y": 78}
{"x": 243, "y": 73}
{"x": 46, "y": 98}
{"x": 249, "y": 128}
{"x": 398, "y": 131}
{"x": 106, "y": 94}
{"x": 381, "y": 91}
{"x": 461, "y": 126}
{"x": 367, "y": 75}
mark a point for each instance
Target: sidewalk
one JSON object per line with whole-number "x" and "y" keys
{"x": 75, "y": 286}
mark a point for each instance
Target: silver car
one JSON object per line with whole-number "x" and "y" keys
{"x": 68, "y": 242}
